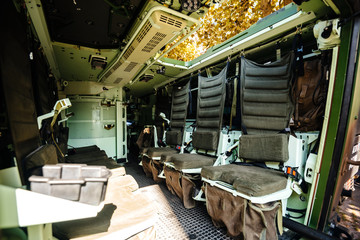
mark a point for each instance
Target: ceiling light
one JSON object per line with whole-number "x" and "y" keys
{"x": 190, "y": 5}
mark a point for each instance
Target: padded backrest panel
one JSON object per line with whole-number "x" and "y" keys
{"x": 264, "y": 147}
{"x": 210, "y": 108}
{"x": 45, "y": 154}
{"x": 179, "y": 105}
{"x": 265, "y": 95}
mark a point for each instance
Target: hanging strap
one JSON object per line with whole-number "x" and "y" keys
{"x": 298, "y": 51}
{"x": 243, "y": 127}
{"x": 234, "y": 100}
{"x": 190, "y": 95}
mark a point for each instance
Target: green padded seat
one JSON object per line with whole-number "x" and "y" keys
{"x": 188, "y": 161}
{"x": 250, "y": 180}
{"x": 166, "y": 157}
{"x": 157, "y": 152}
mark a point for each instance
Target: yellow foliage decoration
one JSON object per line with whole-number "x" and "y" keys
{"x": 223, "y": 21}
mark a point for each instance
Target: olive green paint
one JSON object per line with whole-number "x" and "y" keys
{"x": 333, "y": 123}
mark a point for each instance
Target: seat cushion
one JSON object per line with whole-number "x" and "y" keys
{"x": 208, "y": 140}
{"x": 264, "y": 147}
{"x": 250, "y": 180}
{"x": 174, "y": 137}
{"x": 157, "y": 152}
{"x": 187, "y": 161}
{"x": 166, "y": 157}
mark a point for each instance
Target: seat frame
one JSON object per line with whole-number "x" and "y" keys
{"x": 297, "y": 157}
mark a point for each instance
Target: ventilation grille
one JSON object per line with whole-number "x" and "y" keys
{"x": 108, "y": 74}
{"x": 117, "y": 65}
{"x": 144, "y": 31}
{"x": 158, "y": 37}
{"x": 118, "y": 80}
{"x": 170, "y": 21}
{"x": 130, "y": 67}
{"x": 129, "y": 52}
{"x": 154, "y": 34}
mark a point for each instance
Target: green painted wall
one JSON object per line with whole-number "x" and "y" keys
{"x": 333, "y": 124}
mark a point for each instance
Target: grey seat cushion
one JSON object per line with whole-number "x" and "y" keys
{"x": 264, "y": 147}
{"x": 250, "y": 180}
{"x": 188, "y": 161}
{"x": 206, "y": 140}
{"x": 174, "y": 137}
{"x": 157, "y": 152}
{"x": 166, "y": 157}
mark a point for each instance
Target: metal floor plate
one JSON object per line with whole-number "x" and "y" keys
{"x": 174, "y": 221}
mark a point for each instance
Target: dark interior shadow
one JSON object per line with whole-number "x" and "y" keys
{"x": 83, "y": 227}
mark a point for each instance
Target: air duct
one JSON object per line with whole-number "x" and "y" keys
{"x": 158, "y": 30}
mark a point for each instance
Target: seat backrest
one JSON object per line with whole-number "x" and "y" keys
{"x": 179, "y": 105}
{"x": 266, "y": 106}
{"x": 266, "y": 109}
{"x": 210, "y": 108}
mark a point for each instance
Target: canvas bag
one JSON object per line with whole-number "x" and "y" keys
{"x": 309, "y": 93}
{"x": 243, "y": 219}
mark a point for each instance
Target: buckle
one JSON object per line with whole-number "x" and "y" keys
{"x": 292, "y": 173}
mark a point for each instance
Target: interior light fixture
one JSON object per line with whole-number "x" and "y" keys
{"x": 190, "y": 5}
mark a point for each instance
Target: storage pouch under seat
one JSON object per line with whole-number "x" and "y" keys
{"x": 180, "y": 185}
{"x": 265, "y": 147}
{"x": 152, "y": 167}
{"x": 146, "y": 165}
{"x": 156, "y": 168}
{"x": 173, "y": 179}
{"x": 241, "y": 217}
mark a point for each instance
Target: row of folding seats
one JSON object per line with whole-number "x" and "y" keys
{"x": 175, "y": 137}
{"x": 266, "y": 109}
{"x": 91, "y": 155}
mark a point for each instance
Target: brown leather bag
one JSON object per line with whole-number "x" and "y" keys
{"x": 309, "y": 92}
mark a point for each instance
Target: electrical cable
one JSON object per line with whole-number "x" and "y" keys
{"x": 298, "y": 217}
{"x": 296, "y": 210}
{"x": 57, "y": 146}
